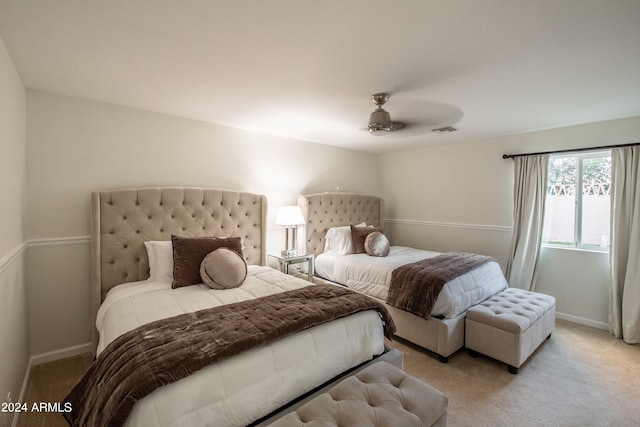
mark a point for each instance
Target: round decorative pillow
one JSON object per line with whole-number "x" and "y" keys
{"x": 376, "y": 244}
{"x": 223, "y": 268}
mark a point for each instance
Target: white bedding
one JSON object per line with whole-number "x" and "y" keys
{"x": 372, "y": 275}
{"x": 246, "y": 387}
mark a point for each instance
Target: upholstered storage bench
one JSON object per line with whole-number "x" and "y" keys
{"x": 378, "y": 395}
{"x": 510, "y": 326}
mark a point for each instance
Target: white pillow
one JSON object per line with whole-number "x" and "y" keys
{"x": 160, "y": 254}
{"x": 338, "y": 240}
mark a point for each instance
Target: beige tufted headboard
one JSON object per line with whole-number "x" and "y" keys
{"x": 122, "y": 220}
{"x": 324, "y": 210}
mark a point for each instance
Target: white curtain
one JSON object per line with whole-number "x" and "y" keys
{"x": 624, "y": 295}
{"x": 530, "y": 192}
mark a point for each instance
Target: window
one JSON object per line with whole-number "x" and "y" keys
{"x": 578, "y": 219}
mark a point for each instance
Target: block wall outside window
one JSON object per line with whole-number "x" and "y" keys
{"x": 578, "y": 219}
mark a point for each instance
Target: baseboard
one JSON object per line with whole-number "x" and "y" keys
{"x": 51, "y": 356}
{"x": 582, "y": 321}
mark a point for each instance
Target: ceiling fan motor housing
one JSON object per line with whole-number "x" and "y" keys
{"x": 380, "y": 121}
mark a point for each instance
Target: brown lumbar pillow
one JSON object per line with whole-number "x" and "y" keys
{"x": 223, "y": 268}
{"x": 359, "y": 234}
{"x": 376, "y": 244}
{"x": 188, "y": 253}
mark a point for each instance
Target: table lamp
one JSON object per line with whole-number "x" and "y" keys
{"x": 290, "y": 217}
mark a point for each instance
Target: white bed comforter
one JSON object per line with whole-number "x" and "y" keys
{"x": 246, "y": 387}
{"x": 372, "y": 275}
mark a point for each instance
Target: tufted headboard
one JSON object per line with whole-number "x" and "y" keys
{"x": 122, "y": 220}
{"x": 324, "y": 210}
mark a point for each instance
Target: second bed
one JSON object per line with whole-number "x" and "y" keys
{"x": 329, "y": 216}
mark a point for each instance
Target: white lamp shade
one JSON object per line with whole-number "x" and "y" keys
{"x": 290, "y": 215}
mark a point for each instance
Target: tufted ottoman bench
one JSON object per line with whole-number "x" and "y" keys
{"x": 379, "y": 395}
{"x": 510, "y": 326}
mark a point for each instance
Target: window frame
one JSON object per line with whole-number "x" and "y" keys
{"x": 577, "y": 212}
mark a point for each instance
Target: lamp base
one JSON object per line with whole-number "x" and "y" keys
{"x": 288, "y": 253}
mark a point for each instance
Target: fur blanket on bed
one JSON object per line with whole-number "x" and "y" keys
{"x": 162, "y": 352}
{"x": 415, "y": 287}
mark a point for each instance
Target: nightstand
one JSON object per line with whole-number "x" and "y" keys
{"x": 284, "y": 262}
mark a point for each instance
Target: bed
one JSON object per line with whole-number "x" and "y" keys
{"x": 440, "y": 331}
{"x": 132, "y": 289}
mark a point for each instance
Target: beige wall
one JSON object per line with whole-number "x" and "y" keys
{"x": 77, "y": 146}
{"x": 14, "y": 350}
{"x": 447, "y": 197}
{"x": 12, "y": 160}
{"x": 461, "y": 197}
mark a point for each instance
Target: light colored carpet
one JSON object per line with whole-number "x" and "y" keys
{"x": 580, "y": 377}
{"x": 50, "y": 382}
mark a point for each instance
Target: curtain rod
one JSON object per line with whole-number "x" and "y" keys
{"x": 602, "y": 147}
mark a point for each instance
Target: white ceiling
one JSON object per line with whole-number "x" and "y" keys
{"x": 306, "y": 69}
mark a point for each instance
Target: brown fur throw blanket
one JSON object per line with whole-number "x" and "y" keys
{"x": 161, "y": 352}
{"x": 415, "y": 287}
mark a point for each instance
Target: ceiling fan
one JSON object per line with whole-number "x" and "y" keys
{"x": 380, "y": 122}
